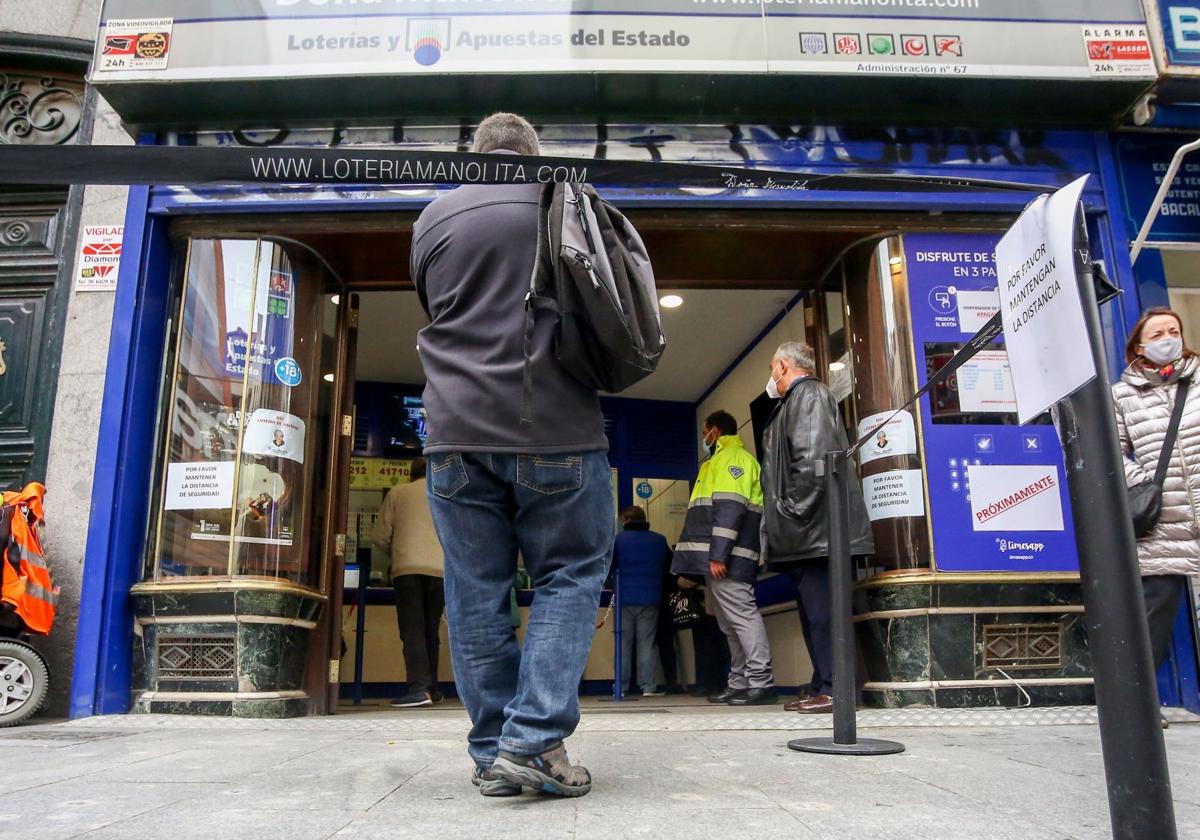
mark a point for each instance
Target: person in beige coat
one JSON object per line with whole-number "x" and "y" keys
{"x": 1143, "y": 398}
{"x": 405, "y": 531}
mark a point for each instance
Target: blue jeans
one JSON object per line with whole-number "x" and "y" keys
{"x": 557, "y": 511}
{"x": 640, "y": 623}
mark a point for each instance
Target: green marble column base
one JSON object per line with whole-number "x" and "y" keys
{"x": 265, "y": 707}
{"x": 222, "y": 649}
{"x": 960, "y": 642}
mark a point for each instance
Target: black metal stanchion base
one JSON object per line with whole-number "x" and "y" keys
{"x": 844, "y": 740}
{"x": 830, "y": 746}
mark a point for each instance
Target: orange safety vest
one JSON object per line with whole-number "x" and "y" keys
{"x": 24, "y": 575}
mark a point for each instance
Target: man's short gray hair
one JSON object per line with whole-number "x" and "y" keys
{"x": 506, "y": 131}
{"x": 798, "y": 355}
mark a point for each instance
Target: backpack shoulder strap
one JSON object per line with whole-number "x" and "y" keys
{"x": 542, "y": 278}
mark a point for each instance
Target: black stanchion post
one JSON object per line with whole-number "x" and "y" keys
{"x": 1131, "y": 739}
{"x": 845, "y": 737}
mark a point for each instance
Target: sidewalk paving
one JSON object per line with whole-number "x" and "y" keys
{"x": 659, "y": 773}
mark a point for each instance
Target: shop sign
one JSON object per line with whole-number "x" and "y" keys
{"x": 979, "y": 463}
{"x": 275, "y": 433}
{"x": 1179, "y": 24}
{"x": 985, "y": 384}
{"x": 237, "y": 344}
{"x": 897, "y": 436}
{"x": 209, "y": 40}
{"x": 142, "y": 44}
{"x": 1119, "y": 51}
{"x": 1015, "y": 498}
{"x": 203, "y": 485}
{"x": 379, "y": 473}
{"x": 99, "y": 257}
{"x": 1142, "y": 161}
{"x": 287, "y": 371}
{"x": 894, "y": 494}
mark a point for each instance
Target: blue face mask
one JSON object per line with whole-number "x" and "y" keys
{"x": 706, "y": 447}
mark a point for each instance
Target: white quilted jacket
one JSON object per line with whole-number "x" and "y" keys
{"x": 1143, "y": 407}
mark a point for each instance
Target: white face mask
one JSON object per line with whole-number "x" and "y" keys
{"x": 773, "y": 387}
{"x": 1163, "y": 351}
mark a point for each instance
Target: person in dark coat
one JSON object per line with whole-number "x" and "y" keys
{"x": 665, "y": 635}
{"x": 804, "y": 426}
{"x": 639, "y": 558}
{"x": 710, "y": 649}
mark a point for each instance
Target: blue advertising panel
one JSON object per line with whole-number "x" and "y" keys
{"x": 1142, "y": 161}
{"x": 1181, "y": 31}
{"x": 997, "y": 490}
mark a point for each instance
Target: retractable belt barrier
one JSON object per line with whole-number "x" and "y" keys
{"x": 194, "y": 165}
{"x": 986, "y": 335}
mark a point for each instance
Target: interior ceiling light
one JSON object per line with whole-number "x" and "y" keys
{"x": 837, "y": 366}
{"x": 328, "y": 377}
{"x": 895, "y": 261}
{"x": 671, "y": 301}
{"x": 335, "y": 300}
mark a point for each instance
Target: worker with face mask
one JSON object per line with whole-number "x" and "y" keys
{"x": 719, "y": 545}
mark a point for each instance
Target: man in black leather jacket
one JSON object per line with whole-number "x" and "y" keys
{"x": 804, "y": 426}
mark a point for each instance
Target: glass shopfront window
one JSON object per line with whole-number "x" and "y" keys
{"x": 246, "y": 406}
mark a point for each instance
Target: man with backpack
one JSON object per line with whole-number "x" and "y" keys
{"x": 517, "y": 461}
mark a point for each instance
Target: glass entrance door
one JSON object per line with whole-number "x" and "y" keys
{"x": 341, "y": 329}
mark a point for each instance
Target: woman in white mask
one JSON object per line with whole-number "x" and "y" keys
{"x": 1144, "y": 397}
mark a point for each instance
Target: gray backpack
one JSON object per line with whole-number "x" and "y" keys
{"x": 593, "y": 275}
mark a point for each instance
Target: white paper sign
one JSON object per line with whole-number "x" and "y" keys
{"x": 1044, "y": 330}
{"x": 894, "y": 494}
{"x": 205, "y": 485}
{"x": 975, "y": 309}
{"x": 897, "y": 437}
{"x": 1015, "y": 498}
{"x": 985, "y": 384}
{"x": 99, "y": 257}
{"x": 275, "y": 433}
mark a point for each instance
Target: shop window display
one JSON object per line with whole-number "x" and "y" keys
{"x": 243, "y": 416}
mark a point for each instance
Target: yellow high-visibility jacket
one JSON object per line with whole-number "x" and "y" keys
{"x": 724, "y": 515}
